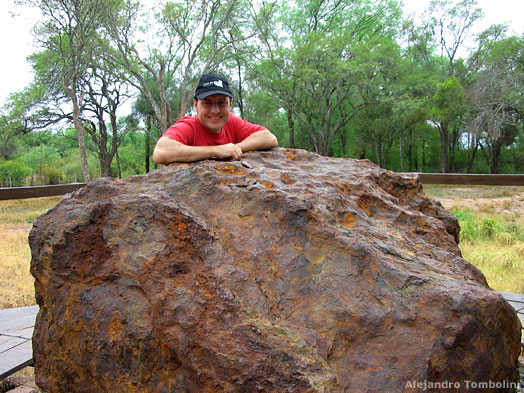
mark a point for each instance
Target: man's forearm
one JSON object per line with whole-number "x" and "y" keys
{"x": 168, "y": 151}
{"x": 259, "y": 140}
{"x": 184, "y": 153}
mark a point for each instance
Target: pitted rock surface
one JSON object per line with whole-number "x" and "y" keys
{"x": 284, "y": 272}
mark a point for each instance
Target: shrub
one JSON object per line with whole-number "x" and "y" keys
{"x": 52, "y": 175}
{"x": 13, "y": 173}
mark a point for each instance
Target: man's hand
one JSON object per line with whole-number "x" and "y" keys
{"x": 229, "y": 151}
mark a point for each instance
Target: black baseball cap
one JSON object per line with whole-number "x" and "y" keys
{"x": 210, "y": 84}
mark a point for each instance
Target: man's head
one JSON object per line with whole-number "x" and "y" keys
{"x": 211, "y": 84}
{"x": 213, "y": 101}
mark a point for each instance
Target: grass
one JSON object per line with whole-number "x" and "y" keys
{"x": 16, "y": 282}
{"x": 491, "y": 230}
{"x": 25, "y": 210}
{"x": 495, "y": 245}
{"x": 453, "y": 191}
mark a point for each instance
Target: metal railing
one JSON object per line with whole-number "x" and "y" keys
{"x": 37, "y": 192}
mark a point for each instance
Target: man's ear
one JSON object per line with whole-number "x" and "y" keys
{"x": 195, "y": 102}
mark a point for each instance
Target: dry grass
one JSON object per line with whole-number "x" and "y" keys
{"x": 16, "y": 282}
{"x": 25, "y": 210}
{"x": 502, "y": 265}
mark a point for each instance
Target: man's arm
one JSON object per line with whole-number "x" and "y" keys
{"x": 259, "y": 140}
{"x": 168, "y": 150}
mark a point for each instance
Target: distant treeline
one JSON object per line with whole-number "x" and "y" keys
{"x": 342, "y": 78}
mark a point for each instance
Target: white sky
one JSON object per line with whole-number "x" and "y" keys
{"x": 17, "y": 43}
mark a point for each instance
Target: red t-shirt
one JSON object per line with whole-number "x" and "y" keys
{"x": 189, "y": 131}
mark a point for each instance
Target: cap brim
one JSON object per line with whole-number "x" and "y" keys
{"x": 213, "y": 92}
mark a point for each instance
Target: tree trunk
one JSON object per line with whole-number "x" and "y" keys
{"x": 118, "y": 168}
{"x": 401, "y": 153}
{"x": 381, "y": 154}
{"x": 411, "y": 163}
{"x": 473, "y": 154}
{"x": 79, "y": 127}
{"x": 105, "y": 164}
{"x": 291, "y": 124}
{"x": 343, "y": 141}
{"x": 444, "y": 148}
{"x": 148, "y": 142}
{"x": 495, "y": 157}
{"x": 240, "y": 99}
{"x": 453, "y": 149}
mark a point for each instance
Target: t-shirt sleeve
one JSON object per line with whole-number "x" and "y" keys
{"x": 243, "y": 129}
{"x": 181, "y": 131}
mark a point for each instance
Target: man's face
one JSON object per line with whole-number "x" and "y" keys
{"x": 213, "y": 111}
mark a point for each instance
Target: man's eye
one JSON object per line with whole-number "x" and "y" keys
{"x": 220, "y": 104}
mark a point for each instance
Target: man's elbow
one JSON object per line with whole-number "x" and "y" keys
{"x": 159, "y": 157}
{"x": 272, "y": 140}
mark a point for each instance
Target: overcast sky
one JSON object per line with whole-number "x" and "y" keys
{"x": 16, "y": 42}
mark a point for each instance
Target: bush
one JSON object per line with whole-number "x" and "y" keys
{"x": 52, "y": 175}
{"x": 13, "y": 173}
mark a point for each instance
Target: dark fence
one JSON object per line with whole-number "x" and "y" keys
{"x": 473, "y": 180}
{"x": 37, "y": 192}
{"x": 425, "y": 178}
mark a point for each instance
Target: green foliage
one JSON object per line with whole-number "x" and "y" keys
{"x": 13, "y": 173}
{"x": 448, "y": 101}
{"x": 344, "y": 78}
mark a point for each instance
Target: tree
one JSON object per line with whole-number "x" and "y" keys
{"x": 445, "y": 26}
{"x": 24, "y": 112}
{"x": 104, "y": 95}
{"x": 69, "y": 31}
{"x": 497, "y": 114}
{"x": 450, "y": 26}
{"x": 320, "y": 62}
{"x": 191, "y": 39}
{"x": 380, "y": 122}
{"x": 448, "y": 108}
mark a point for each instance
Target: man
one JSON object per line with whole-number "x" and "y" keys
{"x": 214, "y": 132}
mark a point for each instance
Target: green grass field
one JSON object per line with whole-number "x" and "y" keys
{"x": 491, "y": 220}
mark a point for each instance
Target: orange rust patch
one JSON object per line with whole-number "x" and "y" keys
{"x": 290, "y": 155}
{"x": 343, "y": 188}
{"x": 230, "y": 169}
{"x": 267, "y": 184}
{"x": 365, "y": 208}
{"x": 115, "y": 327}
{"x": 349, "y": 221}
{"x": 287, "y": 179}
{"x": 180, "y": 229}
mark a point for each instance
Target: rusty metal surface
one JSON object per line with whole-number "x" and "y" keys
{"x": 285, "y": 272}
